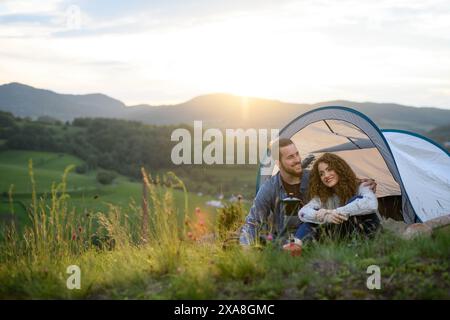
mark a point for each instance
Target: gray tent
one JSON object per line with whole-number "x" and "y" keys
{"x": 407, "y": 167}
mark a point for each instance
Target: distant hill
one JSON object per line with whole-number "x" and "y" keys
{"x": 225, "y": 110}
{"x": 26, "y": 101}
{"x": 215, "y": 110}
{"x": 221, "y": 110}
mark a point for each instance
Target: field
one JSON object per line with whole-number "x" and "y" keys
{"x": 86, "y": 194}
{"x": 179, "y": 254}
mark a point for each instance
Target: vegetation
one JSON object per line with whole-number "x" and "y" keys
{"x": 119, "y": 260}
{"x": 105, "y": 177}
{"x": 179, "y": 249}
{"x": 123, "y": 147}
{"x": 86, "y": 195}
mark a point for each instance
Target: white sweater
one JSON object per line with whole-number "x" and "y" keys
{"x": 360, "y": 206}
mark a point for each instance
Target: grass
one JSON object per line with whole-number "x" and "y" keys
{"x": 207, "y": 272}
{"x": 86, "y": 194}
{"x": 119, "y": 261}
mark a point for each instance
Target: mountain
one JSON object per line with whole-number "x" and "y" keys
{"x": 215, "y": 110}
{"x": 220, "y": 110}
{"x": 26, "y": 101}
{"x": 392, "y": 115}
{"x": 229, "y": 111}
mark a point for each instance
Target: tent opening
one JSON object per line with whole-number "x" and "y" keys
{"x": 355, "y": 147}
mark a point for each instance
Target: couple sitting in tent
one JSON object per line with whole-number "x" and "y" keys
{"x": 332, "y": 201}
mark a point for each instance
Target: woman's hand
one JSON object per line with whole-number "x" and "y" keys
{"x": 320, "y": 215}
{"x": 331, "y": 216}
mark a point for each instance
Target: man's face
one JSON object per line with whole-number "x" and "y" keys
{"x": 290, "y": 161}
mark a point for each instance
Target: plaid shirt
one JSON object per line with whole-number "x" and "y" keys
{"x": 267, "y": 214}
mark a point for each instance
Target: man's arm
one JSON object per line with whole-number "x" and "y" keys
{"x": 257, "y": 216}
{"x": 366, "y": 203}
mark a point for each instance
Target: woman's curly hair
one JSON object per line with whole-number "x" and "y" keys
{"x": 346, "y": 187}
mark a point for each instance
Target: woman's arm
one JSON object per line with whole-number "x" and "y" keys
{"x": 365, "y": 204}
{"x": 308, "y": 213}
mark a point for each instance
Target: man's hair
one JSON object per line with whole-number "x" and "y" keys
{"x": 280, "y": 143}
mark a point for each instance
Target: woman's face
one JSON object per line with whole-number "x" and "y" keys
{"x": 328, "y": 176}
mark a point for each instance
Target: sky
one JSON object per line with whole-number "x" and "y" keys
{"x": 170, "y": 51}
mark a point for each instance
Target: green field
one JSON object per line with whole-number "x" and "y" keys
{"x": 120, "y": 261}
{"x": 86, "y": 194}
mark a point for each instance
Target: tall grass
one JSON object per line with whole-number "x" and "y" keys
{"x": 119, "y": 258}
{"x": 56, "y": 233}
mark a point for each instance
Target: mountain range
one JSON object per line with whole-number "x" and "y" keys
{"x": 215, "y": 110}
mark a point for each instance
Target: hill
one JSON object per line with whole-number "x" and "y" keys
{"x": 26, "y": 101}
{"x": 86, "y": 193}
{"x": 228, "y": 111}
{"x": 215, "y": 110}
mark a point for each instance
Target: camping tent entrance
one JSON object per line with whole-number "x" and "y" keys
{"x": 357, "y": 139}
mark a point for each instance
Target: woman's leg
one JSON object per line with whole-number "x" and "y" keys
{"x": 307, "y": 231}
{"x": 366, "y": 225}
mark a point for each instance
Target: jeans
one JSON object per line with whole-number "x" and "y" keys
{"x": 365, "y": 225}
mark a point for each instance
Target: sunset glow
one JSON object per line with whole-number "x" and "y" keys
{"x": 295, "y": 51}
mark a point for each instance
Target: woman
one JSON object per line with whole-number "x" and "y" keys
{"x": 338, "y": 201}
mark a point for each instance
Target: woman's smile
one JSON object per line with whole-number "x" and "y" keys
{"x": 328, "y": 176}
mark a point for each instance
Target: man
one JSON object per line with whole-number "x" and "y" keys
{"x": 268, "y": 214}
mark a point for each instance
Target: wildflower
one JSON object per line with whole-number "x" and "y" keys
{"x": 270, "y": 237}
{"x": 74, "y": 236}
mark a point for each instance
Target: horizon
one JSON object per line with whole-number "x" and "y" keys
{"x": 168, "y": 52}
{"x": 168, "y": 104}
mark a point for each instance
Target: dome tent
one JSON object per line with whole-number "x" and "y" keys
{"x": 405, "y": 165}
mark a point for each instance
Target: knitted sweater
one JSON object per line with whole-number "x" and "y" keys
{"x": 365, "y": 203}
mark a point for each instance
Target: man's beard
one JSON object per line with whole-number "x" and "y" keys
{"x": 291, "y": 171}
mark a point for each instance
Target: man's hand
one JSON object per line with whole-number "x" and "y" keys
{"x": 333, "y": 217}
{"x": 369, "y": 183}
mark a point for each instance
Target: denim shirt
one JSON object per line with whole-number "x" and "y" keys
{"x": 267, "y": 214}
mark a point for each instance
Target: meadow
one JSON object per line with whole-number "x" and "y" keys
{"x": 85, "y": 192}
{"x": 167, "y": 249}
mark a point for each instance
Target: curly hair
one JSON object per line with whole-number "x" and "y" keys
{"x": 346, "y": 187}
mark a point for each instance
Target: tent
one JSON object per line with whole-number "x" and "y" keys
{"x": 406, "y": 166}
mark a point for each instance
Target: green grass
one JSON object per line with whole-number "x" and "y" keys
{"x": 86, "y": 194}
{"x": 216, "y": 179}
{"x": 324, "y": 271}
{"x": 167, "y": 264}
{"x": 48, "y": 168}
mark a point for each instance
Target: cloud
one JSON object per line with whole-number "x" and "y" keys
{"x": 290, "y": 50}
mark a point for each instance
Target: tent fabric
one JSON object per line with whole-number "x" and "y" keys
{"x": 425, "y": 171}
{"x": 372, "y": 153}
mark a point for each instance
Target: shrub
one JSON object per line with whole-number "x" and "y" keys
{"x": 106, "y": 177}
{"x": 229, "y": 220}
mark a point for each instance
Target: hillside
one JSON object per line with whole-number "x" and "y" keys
{"x": 215, "y": 110}
{"x": 26, "y": 101}
{"x": 86, "y": 193}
